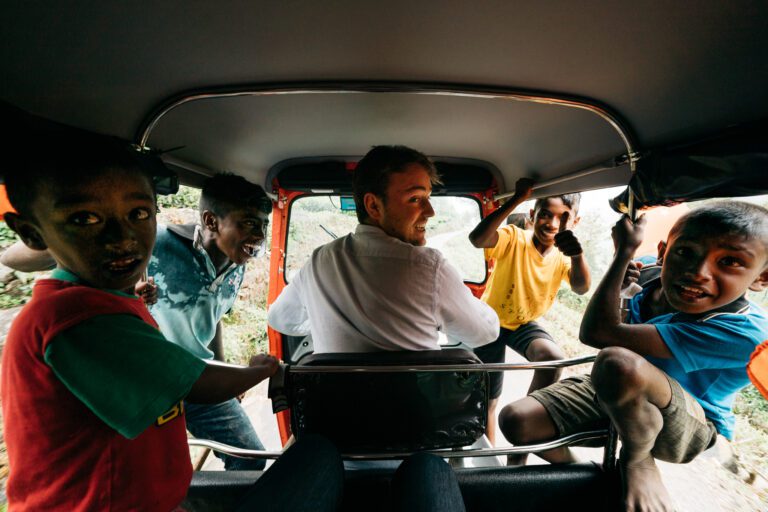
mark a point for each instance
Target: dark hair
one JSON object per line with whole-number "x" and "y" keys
{"x": 373, "y": 171}
{"x": 70, "y": 158}
{"x": 728, "y": 217}
{"x": 570, "y": 200}
{"x": 225, "y": 192}
{"x": 517, "y": 219}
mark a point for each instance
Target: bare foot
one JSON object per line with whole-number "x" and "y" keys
{"x": 643, "y": 488}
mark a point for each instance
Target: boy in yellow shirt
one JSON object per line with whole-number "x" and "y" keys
{"x": 529, "y": 267}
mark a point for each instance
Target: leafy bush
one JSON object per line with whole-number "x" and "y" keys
{"x": 751, "y": 405}
{"x": 186, "y": 197}
{"x": 7, "y": 236}
{"x": 16, "y": 291}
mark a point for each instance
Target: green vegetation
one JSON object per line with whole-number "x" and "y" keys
{"x": 245, "y": 327}
{"x": 186, "y": 197}
{"x": 7, "y": 236}
{"x": 15, "y": 289}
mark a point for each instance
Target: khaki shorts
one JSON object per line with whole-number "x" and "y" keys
{"x": 573, "y": 406}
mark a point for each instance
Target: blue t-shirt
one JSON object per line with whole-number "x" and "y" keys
{"x": 191, "y": 298}
{"x": 710, "y": 352}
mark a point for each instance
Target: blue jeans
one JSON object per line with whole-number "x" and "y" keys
{"x": 426, "y": 483}
{"x": 309, "y": 476}
{"x": 226, "y": 423}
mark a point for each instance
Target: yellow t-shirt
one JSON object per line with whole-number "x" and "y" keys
{"x": 523, "y": 284}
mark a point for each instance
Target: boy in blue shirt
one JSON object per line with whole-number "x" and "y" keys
{"x": 198, "y": 269}
{"x": 667, "y": 373}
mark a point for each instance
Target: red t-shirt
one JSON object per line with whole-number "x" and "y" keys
{"x": 61, "y": 455}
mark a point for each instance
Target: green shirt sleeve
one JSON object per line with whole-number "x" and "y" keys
{"x": 123, "y": 369}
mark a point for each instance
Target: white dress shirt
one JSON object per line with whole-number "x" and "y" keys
{"x": 368, "y": 291}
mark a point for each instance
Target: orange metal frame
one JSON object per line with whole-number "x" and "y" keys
{"x": 5, "y": 204}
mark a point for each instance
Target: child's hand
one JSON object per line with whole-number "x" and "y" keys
{"x": 565, "y": 240}
{"x": 627, "y": 236}
{"x": 524, "y": 188}
{"x": 632, "y": 275}
{"x": 269, "y": 364}
{"x": 147, "y": 290}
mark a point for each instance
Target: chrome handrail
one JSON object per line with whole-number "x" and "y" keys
{"x": 606, "y": 113}
{"x": 472, "y": 367}
{"x": 447, "y": 453}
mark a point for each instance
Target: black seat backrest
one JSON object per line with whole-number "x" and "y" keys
{"x": 390, "y": 412}
{"x": 542, "y": 488}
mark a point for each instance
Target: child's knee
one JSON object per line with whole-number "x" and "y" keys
{"x": 514, "y": 421}
{"x": 616, "y": 372}
{"x": 544, "y": 350}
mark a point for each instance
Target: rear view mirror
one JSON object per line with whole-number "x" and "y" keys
{"x": 347, "y": 204}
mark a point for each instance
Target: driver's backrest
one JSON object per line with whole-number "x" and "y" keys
{"x": 390, "y": 412}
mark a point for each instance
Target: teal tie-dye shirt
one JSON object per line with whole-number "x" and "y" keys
{"x": 191, "y": 299}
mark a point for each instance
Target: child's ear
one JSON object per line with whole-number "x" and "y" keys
{"x": 26, "y": 230}
{"x": 761, "y": 283}
{"x": 210, "y": 222}
{"x": 575, "y": 221}
{"x": 660, "y": 250}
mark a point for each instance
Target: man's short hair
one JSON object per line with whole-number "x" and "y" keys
{"x": 737, "y": 218}
{"x": 225, "y": 192}
{"x": 70, "y": 158}
{"x": 373, "y": 171}
{"x": 570, "y": 200}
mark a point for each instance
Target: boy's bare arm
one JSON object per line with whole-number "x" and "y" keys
{"x": 484, "y": 235}
{"x": 569, "y": 245}
{"x": 217, "y": 344}
{"x": 22, "y": 258}
{"x": 221, "y": 381}
{"x": 579, "y": 275}
{"x": 602, "y": 325}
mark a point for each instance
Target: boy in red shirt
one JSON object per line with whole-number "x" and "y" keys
{"x": 91, "y": 390}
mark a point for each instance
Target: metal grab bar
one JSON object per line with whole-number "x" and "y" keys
{"x": 445, "y": 453}
{"x": 479, "y": 367}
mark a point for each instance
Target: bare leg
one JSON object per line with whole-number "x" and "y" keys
{"x": 490, "y": 430}
{"x": 526, "y": 421}
{"x": 543, "y": 350}
{"x": 633, "y": 391}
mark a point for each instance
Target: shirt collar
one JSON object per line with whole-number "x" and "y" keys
{"x": 197, "y": 239}
{"x": 371, "y": 230}
{"x": 65, "y": 275}
{"x": 185, "y": 231}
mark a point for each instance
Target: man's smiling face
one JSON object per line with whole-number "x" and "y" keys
{"x": 405, "y": 210}
{"x": 702, "y": 272}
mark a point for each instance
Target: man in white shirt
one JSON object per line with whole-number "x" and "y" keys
{"x": 379, "y": 288}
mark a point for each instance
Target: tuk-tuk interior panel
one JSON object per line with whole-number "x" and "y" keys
{"x": 249, "y": 134}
